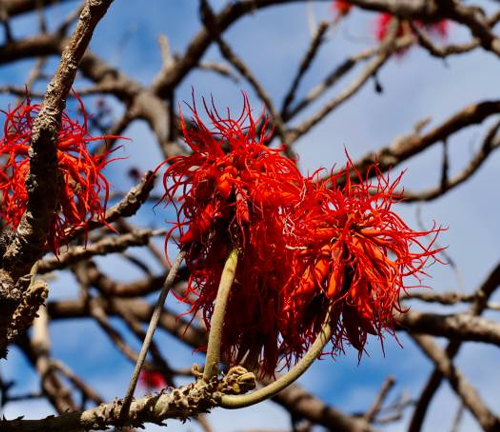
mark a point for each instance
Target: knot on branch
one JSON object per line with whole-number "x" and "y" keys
{"x": 172, "y": 403}
{"x": 201, "y": 396}
{"x": 237, "y": 381}
{"x": 26, "y": 312}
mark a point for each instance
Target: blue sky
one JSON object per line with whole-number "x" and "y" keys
{"x": 272, "y": 42}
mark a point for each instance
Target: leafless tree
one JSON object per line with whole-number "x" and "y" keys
{"x": 61, "y": 60}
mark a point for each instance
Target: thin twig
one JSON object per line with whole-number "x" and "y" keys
{"x": 375, "y": 409}
{"x": 384, "y": 53}
{"x": 149, "y": 335}
{"x": 306, "y": 62}
{"x": 231, "y": 57}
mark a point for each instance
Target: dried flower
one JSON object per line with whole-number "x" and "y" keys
{"x": 358, "y": 256}
{"x": 234, "y": 193}
{"x": 81, "y": 175}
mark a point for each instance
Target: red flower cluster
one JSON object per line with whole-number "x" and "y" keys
{"x": 234, "y": 193}
{"x": 358, "y": 253}
{"x": 79, "y": 198}
{"x": 306, "y": 247}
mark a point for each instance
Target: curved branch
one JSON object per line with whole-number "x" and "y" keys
{"x": 294, "y": 398}
{"x": 180, "y": 403}
{"x": 286, "y": 379}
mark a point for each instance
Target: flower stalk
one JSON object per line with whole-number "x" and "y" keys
{"x": 216, "y": 325}
{"x": 241, "y": 401}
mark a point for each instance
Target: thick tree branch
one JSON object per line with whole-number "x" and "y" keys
{"x": 180, "y": 403}
{"x": 42, "y": 183}
{"x": 298, "y": 401}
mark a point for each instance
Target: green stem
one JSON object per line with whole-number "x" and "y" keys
{"x": 241, "y": 401}
{"x": 217, "y": 322}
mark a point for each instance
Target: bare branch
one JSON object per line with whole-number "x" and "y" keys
{"x": 469, "y": 396}
{"x": 180, "y": 403}
{"x": 42, "y": 183}
{"x": 294, "y": 398}
{"x": 490, "y": 143}
{"x": 483, "y": 294}
{"x": 211, "y": 24}
{"x": 306, "y": 62}
{"x": 447, "y": 298}
{"x": 384, "y": 53}
{"x": 127, "y": 207}
{"x": 457, "y": 327}
{"x": 375, "y": 409}
{"x": 17, "y": 7}
{"x": 409, "y": 145}
{"x": 103, "y": 247}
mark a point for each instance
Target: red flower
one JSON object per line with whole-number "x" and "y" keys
{"x": 235, "y": 193}
{"x": 358, "y": 256}
{"x": 383, "y": 22}
{"x": 342, "y": 7}
{"x": 79, "y": 198}
{"x": 152, "y": 380}
{"x": 305, "y": 247}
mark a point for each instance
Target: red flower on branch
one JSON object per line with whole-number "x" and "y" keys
{"x": 83, "y": 182}
{"x": 306, "y": 248}
{"x": 234, "y": 192}
{"x": 357, "y": 260}
{"x": 342, "y": 7}
{"x": 383, "y": 21}
{"x": 152, "y": 380}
